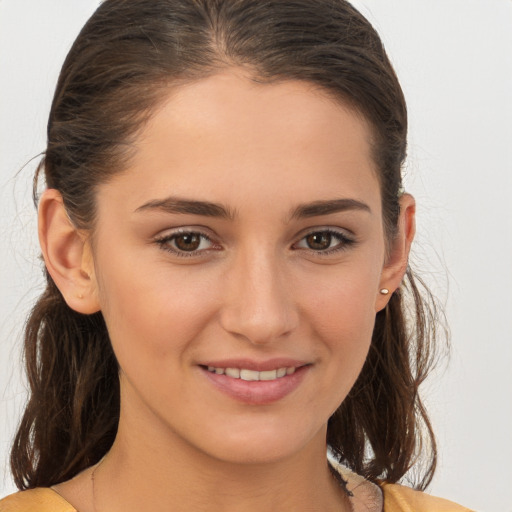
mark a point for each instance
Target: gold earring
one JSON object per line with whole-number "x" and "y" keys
{"x": 384, "y": 291}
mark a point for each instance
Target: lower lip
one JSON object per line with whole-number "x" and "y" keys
{"x": 258, "y": 392}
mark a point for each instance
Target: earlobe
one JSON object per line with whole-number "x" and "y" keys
{"x": 397, "y": 260}
{"x": 66, "y": 254}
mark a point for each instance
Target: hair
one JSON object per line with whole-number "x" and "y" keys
{"x": 118, "y": 71}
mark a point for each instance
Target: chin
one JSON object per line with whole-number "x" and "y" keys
{"x": 263, "y": 445}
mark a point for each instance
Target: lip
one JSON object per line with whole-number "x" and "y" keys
{"x": 256, "y": 392}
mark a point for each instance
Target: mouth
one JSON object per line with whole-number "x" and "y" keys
{"x": 253, "y": 375}
{"x": 256, "y": 383}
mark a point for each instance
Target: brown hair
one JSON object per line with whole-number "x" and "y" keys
{"x": 121, "y": 65}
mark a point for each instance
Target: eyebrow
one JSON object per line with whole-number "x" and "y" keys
{"x": 328, "y": 207}
{"x": 175, "y": 205}
{"x": 188, "y": 206}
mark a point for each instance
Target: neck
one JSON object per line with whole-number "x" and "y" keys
{"x": 150, "y": 474}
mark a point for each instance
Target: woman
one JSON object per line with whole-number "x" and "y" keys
{"x": 226, "y": 238}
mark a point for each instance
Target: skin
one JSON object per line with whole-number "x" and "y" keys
{"x": 255, "y": 288}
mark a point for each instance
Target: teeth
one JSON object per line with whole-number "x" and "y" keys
{"x": 281, "y": 372}
{"x": 270, "y": 375}
{"x": 249, "y": 375}
{"x": 252, "y": 375}
{"x": 233, "y": 372}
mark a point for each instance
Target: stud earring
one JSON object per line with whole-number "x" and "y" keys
{"x": 384, "y": 291}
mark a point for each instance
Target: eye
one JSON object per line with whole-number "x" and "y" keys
{"x": 185, "y": 243}
{"x": 325, "y": 241}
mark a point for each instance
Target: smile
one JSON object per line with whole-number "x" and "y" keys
{"x": 256, "y": 383}
{"x": 252, "y": 375}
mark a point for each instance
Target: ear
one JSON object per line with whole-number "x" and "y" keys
{"x": 397, "y": 259}
{"x": 67, "y": 254}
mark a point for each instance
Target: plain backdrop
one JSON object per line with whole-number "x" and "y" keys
{"x": 454, "y": 59}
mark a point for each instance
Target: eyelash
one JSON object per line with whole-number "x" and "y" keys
{"x": 164, "y": 243}
{"x": 344, "y": 242}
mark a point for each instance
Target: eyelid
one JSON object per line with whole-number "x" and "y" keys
{"x": 327, "y": 227}
{"x": 345, "y": 240}
{"x": 164, "y": 238}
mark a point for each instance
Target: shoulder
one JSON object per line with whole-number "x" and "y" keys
{"x": 398, "y": 498}
{"x": 35, "y": 500}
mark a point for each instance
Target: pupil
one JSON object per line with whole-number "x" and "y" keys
{"x": 319, "y": 241}
{"x": 189, "y": 242}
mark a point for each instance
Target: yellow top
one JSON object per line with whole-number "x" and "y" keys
{"x": 41, "y": 499}
{"x": 397, "y": 498}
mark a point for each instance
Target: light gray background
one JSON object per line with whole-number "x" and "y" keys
{"x": 454, "y": 59}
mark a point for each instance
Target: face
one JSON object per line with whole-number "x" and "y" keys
{"x": 238, "y": 262}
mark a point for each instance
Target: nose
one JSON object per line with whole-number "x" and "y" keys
{"x": 258, "y": 305}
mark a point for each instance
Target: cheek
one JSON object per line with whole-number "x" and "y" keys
{"x": 344, "y": 301}
{"x": 151, "y": 312}
{"x": 345, "y": 322}
{"x": 342, "y": 315}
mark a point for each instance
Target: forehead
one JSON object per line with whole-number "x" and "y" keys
{"x": 238, "y": 140}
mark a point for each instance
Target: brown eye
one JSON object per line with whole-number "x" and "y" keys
{"x": 319, "y": 241}
{"x": 325, "y": 242}
{"x": 187, "y": 242}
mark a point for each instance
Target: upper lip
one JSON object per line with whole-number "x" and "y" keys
{"x": 258, "y": 366}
